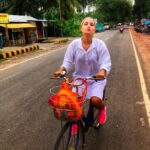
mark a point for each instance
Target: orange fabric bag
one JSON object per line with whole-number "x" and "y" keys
{"x": 66, "y": 103}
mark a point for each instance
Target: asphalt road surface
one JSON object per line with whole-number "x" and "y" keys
{"x": 27, "y": 122}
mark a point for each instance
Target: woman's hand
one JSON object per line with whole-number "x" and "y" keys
{"x": 58, "y": 72}
{"x": 101, "y": 73}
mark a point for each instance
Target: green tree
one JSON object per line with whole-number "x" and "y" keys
{"x": 26, "y": 7}
{"x": 114, "y": 10}
{"x": 67, "y": 8}
{"x": 141, "y": 9}
{"x": 5, "y": 5}
{"x": 83, "y": 4}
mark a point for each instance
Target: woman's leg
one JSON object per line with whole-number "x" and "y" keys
{"x": 97, "y": 102}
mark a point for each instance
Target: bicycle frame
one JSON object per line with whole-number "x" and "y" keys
{"x": 78, "y": 137}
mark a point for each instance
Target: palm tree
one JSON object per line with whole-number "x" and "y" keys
{"x": 67, "y": 8}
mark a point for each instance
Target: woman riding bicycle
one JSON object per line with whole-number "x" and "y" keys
{"x": 89, "y": 56}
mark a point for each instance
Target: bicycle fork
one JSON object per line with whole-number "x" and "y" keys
{"x": 75, "y": 135}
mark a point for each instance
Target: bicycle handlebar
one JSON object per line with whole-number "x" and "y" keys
{"x": 83, "y": 79}
{"x": 95, "y": 78}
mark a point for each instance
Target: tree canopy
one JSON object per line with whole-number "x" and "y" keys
{"x": 68, "y": 13}
{"x": 109, "y": 10}
{"x": 115, "y": 10}
{"x": 141, "y": 9}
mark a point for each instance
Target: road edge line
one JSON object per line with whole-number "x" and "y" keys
{"x": 142, "y": 82}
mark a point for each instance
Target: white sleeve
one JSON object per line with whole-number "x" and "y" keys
{"x": 105, "y": 60}
{"x": 69, "y": 57}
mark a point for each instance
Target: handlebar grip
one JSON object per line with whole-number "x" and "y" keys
{"x": 62, "y": 74}
{"x": 96, "y": 78}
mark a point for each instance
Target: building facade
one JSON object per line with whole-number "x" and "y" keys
{"x": 22, "y": 30}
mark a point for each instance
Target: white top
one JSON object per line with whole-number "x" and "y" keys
{"x": 88, "y": 62}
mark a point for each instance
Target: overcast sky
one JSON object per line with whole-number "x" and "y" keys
{"x": 132, "y": 1}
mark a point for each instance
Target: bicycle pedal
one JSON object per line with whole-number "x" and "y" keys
{"x": 96, "y": 125}
{"x": 105, "y": 99}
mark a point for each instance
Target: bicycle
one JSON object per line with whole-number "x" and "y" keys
{"x": 72, "y": 134}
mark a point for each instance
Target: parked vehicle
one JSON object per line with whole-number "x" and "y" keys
{"x": 143, "y": 26}
{"x": 100, "y": 27}
{"x": 106, "y": 26}
{"x": 131, "y": 24}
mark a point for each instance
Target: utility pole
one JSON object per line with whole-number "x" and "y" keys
{"x": 59, "y": 2}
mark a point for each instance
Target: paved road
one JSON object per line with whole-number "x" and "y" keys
{"x": 27, "y": 123}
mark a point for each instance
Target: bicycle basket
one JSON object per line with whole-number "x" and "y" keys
{"x": 66, "y": 104}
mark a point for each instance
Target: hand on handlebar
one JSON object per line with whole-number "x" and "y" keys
{"x": 57, "y": 73}
{"x": 101, "y": 74}
{"x": 60, "y": 73}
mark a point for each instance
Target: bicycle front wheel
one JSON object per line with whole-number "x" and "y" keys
{"x": 67, "y": 140}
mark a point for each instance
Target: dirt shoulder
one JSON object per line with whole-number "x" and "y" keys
{"x": 142, "y": 42}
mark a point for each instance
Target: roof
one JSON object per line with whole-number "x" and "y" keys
{"x": 18, "y": 18}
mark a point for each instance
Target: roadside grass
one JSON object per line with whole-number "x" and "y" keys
{"x": 56, "y": 40}
{"x": 1, "y": 60}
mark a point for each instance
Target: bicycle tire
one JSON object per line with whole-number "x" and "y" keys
{"x": 64, "y": 143}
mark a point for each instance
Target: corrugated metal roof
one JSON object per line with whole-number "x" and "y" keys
{"x": 42, "y": 20}
{"x": 18, "y": 18}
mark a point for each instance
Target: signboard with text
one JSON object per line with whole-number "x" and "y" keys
{"x": 4, "y": 18}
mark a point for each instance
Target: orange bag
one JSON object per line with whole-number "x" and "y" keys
{"x": 66, "y": 103}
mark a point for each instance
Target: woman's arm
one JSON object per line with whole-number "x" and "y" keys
{"x": 67, "y": 62}
{"x": 69, "y": 57}
{"x": 104, "y": 61}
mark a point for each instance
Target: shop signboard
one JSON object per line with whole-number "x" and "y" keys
{"x": 4, "y": 18}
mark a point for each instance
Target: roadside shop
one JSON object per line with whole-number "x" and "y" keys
{"x": 22, "y": 30}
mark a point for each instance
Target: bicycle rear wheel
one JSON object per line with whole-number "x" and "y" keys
{"x": 67, "y": 140}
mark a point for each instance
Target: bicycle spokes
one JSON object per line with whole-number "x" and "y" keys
{"x": 71, "y": 138}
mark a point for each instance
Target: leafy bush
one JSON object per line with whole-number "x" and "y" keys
{"x": 57, "y": 27}
{"x": 71, "y": 27}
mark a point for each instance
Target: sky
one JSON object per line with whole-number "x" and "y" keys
{"x": 133, "y": 1}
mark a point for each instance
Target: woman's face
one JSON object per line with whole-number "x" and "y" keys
{"x": 88, "y": 26}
